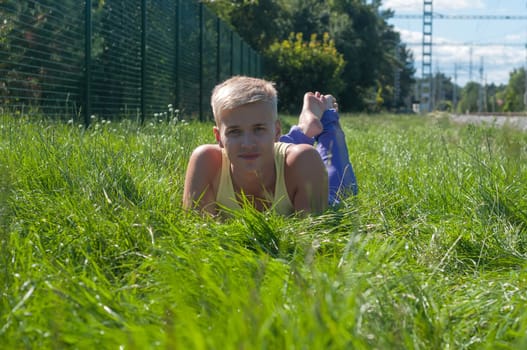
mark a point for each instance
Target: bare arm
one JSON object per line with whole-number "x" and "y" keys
{"x": 306, "y": 179}
{"x": 200, "y": 190}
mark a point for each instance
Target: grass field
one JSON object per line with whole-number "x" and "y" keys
{"x": 96, "y": 252}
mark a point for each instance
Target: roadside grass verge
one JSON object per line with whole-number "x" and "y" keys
{"x": 96, "y": 251}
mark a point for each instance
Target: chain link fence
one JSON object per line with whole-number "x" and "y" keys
{"x": 115, "y": 58}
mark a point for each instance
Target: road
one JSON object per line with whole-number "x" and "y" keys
{"x": 519, "y": 122}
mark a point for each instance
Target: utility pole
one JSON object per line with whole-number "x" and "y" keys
{"x": 397, "y": 79}
{"x": 481, "y": 87}
{"x": 485, "y": 96}
{"x": 525, "y": 77}
{"x": 423, "y": 90}
{"x": 437, "y": 90}
{"x": 470, "y": 65}
{"x": 454, "y": 98}
{"x": 426, "y": 83}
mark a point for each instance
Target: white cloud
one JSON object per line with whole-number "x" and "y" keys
{"x": 438, "y": 5}
{"x": 409, "y": 36}
{"x": 464, "y": 60}
{"x": 515, "y": 37}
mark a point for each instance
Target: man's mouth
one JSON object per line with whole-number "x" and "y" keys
{"x": 249, "y": 156}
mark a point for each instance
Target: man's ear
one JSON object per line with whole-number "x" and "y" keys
{"x": 278, "y": 130}
{"x": 217, "y": 135}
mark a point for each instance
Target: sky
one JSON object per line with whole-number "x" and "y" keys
{"x": 481, "y": 50}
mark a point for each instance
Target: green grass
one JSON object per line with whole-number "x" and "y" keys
{"x": 97, "y": 253}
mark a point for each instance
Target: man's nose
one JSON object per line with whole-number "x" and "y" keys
{"x": 248, "y": 139}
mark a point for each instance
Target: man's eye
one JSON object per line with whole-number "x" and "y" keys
{"x": 233, "y": 132}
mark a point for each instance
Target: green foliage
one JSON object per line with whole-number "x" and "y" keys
{"x": 372, "y": 50}
{"x": 96, "y": 252}
{"x": 259, "y": 23}
{"x": 513, "y": 99}
{"x": 445, "y": 106}
{"x": 495, "y": 98}
{"x": 299, "y": 66}
{"x": 306, "y": 16}
{"x": 469, "y": 98}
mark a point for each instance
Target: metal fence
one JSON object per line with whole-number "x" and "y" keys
{"x": 115, "y": 58}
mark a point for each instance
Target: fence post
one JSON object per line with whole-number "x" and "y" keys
{"x": 201, "y": 47}
{"x": 143, "y": 59}
{"x": 177, "y": 102}
{"x": 218, "y": 50}
{"x": 87, "y": 62}
{"x": 242, "y": 69}
{"x": 232, "y": 53}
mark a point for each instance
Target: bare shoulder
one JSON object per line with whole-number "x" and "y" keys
{"x": 201, "y": 179}
{"x": 302, "y": 155}
{"x": 303, "y": 163}
{"x": 306, "y": 179}
{"x": 207, "y": 154}
{"x": 205, "y": 162}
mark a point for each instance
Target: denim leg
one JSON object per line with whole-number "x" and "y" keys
{"x": 331, "y": 145}
{"x": 296, "y": 136}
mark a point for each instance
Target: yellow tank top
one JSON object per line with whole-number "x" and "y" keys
{"x": 280, "y": 202}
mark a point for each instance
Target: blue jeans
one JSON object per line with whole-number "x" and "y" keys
{"x": 331, "y": 145}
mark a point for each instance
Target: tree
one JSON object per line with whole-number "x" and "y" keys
{"x": 307, "y": 16}
{"x": 442, "y": 92}
{"x": 513, "y": 99}
{"x": 371, "y": 48}
{"x": 298, "y": 66}
{"x": 259, "y": 23}
{"x": 495, "y": 97}
{"x": 469, "y": 98}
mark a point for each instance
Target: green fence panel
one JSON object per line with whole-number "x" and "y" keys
{"x": 115, "y": 58}
{"x": 41, "y": 57}
{"x": 236, "y": 54}
{"x": 161, "y": 48}
{"x": 209, "y": 60}
{"x": 224, "y": 51}
{"x": 189, "y": 58}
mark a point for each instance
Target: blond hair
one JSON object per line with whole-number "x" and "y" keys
{"x": 241, "y": 90}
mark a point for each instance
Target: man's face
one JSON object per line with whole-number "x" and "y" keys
{"x": 248, "y": 134}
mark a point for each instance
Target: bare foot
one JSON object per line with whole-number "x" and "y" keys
{"x": 331, "y": 102}
{"x": 309, "y": 120}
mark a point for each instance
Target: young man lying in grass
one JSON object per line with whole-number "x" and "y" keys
{"x": 251, "y": 162}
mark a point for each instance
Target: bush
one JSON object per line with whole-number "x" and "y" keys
{"x": 298, "y": 66}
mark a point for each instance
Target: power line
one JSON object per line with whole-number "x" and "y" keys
{"x": 436, "y": 15}
{"x": 427, "y": 17}
{"x": 467, "y": 44}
